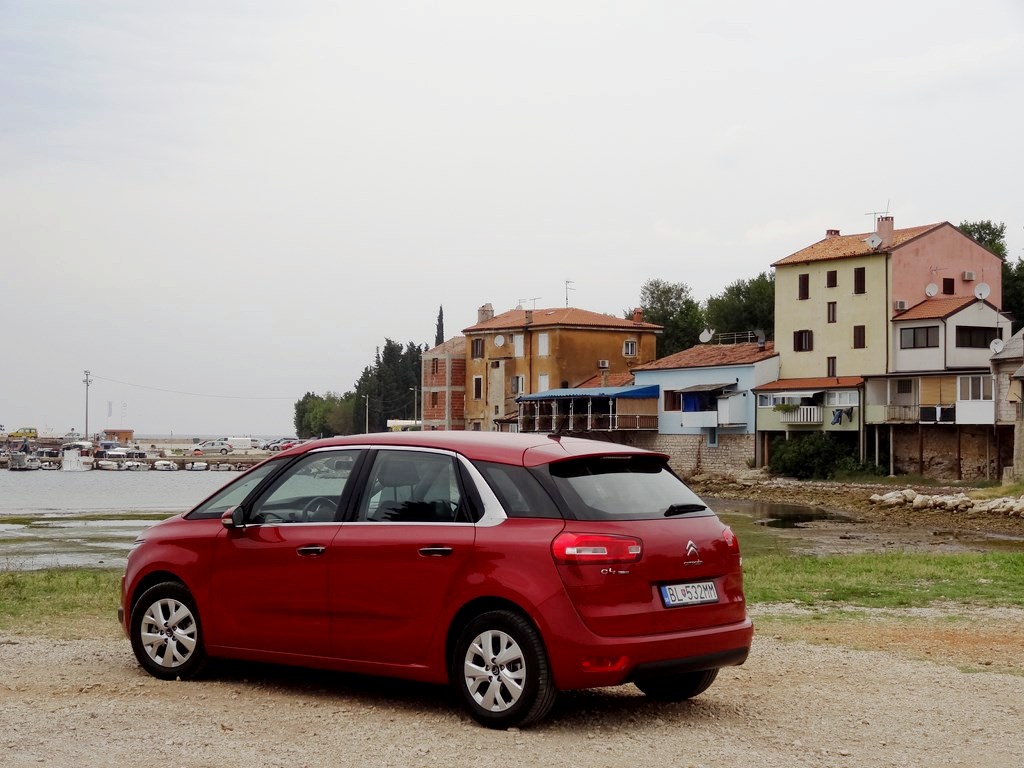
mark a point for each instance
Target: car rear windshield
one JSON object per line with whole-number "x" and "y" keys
{"x": 627, "y": 487}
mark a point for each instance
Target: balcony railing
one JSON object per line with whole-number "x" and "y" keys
{"x": 804, "y": 414}
{"x": 591, "y": 423}
{"x": 910, "y": 414}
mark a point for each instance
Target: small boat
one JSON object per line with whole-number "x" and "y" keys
{"x": 197, "y": 466}
{"x": 164, "y": 465}
{"x": 134, "y": 465}
{"x": 77, "y": 456}
{"x": 23, "y": 462}
{"x": 108, "y": 464}
{"x": 49, "y": 464}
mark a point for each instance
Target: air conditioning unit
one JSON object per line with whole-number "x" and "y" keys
{"x": 899, "y": 305}
{"x": 602, "y": 363}
{"x": 969, "y": 274}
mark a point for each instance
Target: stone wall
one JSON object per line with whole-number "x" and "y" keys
{"x": 690, "y": 454}
{"x": 932, "y": 453}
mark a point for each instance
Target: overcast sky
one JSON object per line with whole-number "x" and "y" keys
{"x": 218, "y": 206}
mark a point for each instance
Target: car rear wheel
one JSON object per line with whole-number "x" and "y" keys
{"x": 166, "y": 634}
{"x": 678, "y": 687}
{"x": 224, "y": 451}
{"x": 501, "y": 671}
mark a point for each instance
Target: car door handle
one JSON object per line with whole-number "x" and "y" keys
{"x": 311, "y": 550}
{"x": 436, "y": 551}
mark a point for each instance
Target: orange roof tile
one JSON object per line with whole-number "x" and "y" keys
{"x": 822, "y": 382}
{"x": 456, "y": 345}
{"x": 936, "y": 308}
{"x": 844, "y": 246}
{"x": 545, "y": 318}
{"x": 614, "y": 380}
{"x": 709, "y": 355}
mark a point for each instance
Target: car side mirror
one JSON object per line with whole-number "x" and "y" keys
{"x": 233, "y": 517}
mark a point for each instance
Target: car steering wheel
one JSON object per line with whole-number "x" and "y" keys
{"x": 313, "y": 506}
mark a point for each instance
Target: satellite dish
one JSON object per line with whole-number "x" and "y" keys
{"x": 930, "y": 290}
{"x": 982, "y": 291}
{"x": 873, "y": 240}
{"x": 499, "y": 340}
{"x": 997, "y": 346}
{"x": 706, "y": 335}
{"x": 759, "y": 335}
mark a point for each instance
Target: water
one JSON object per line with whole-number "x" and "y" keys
{"x": 56, "y": 502}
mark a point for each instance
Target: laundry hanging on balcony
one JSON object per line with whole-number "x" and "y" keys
{"x": 838, "y": 413}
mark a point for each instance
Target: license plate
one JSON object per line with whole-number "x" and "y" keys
{"x": 694, "y": 593}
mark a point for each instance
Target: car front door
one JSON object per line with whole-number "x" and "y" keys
{"x": 270, "y": 575}
{"x": 393, "y": 565}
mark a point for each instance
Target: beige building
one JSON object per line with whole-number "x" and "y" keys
{"x": 526, "y": 351}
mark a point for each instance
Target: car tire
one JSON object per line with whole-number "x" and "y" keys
{"x": 677, "y": 687}
{"x": 501, "y": 671}
{"x": 166, "y": 633}
{"x": 224, "y": 451}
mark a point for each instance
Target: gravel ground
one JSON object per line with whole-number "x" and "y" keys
{"x": 85, "y": 702}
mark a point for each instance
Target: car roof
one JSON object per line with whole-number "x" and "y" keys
{"x": 502, "y": 447}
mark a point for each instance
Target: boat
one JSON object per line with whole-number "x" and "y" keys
{"x": 197, "y": 466}
{"x": 164, "y": 465}
{"x": 108, "y": 464}
{"x": 135, "y": 465}
{"x": 23, "y": 462}
{"x": 76, "y": 456}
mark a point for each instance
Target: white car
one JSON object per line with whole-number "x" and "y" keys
{"x": 211, "y": 446}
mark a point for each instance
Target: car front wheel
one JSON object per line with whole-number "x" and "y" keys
{"x": 166, "y": 633}
{"x": 501, "y": 671}
{"x": 678, "y": 687}
{"x": 224, "y": 451}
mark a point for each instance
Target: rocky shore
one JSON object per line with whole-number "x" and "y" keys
{"x": 875, "y": 505}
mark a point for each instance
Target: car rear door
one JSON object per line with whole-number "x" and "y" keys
{"x": 410, "y": 540}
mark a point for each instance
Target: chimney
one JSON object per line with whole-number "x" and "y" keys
{"x": 529, "y": 317}
{"x": 604, "y": 377}
{"x": 485, "y": 313}
{"x": 884, "y": 230}
{"x": 830, "y": 233}
{"x": 638, "y": 315}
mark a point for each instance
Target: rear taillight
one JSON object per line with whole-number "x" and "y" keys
{"x": 730, "y": 540}
{"x": 597, "y": 548}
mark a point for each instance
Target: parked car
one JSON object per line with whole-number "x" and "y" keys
{"x": 510, "y": 566}
{"x": 283, "y": 444}
{"x": 211, "y": 446}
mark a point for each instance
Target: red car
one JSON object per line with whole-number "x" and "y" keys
{"x": 510, "y": 566}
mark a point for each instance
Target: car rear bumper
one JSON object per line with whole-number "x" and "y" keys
{"x": 582, "y": 659}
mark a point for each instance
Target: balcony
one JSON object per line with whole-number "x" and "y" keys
{"x": 589, "y": 423}
{"x": 804, "y": 414}
{"x": 699, "y": 419}
{"x": 902, "y": 414}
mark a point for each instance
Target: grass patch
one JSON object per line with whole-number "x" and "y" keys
{"x": 36, "y": 520}
{"x": 59, "y": 598}
{"x": 890, "y": 580}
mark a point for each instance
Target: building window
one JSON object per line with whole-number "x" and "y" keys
{"x": 712, "y": 433}
{"x": 831, "y": 278}
{"x": 904, "y": 387}
{"x": 948, "y": 286}
{"x": 518, "y": 385}
{"x": 629, "y": 348}
{"x": 916, "y": 338}
{"x": 830, "y": 365}
{"x": 517, "y": 343}
{"x": 478, "y": 349}
{"x": 542, "y": 344}
{"x": 673, "y": 400}
{"x": 847, "y": 397}
{"x": 975, "y": 387}
{"x": 974, "y": 337}
{"x": 803, "y": 341}
{"x": 433, "y": 399}
{"x": 476, "y": 426}
{"x": 859, "y": 339}
{"x": 434, "y": 366}
{"x": 831, "y": 311}
{"x": 803, "y": 286}
{"x": 859, "y": 283}
{"x": 478, "y": 387}
{"x": 542, "y": 383}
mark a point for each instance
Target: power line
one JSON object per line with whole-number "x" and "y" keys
{"x": 190, "y": 394}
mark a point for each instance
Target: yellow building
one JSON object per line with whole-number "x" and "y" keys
{"x": 525, "y": 351}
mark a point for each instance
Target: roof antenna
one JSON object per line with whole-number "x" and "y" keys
{"x": 876, "y": 214}
{"x": 567, "y": 289}
{"x": 532, "y": 298}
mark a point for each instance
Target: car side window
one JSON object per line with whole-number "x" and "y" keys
{"x": 413, "y": 487}
{"x": 309, "y": 491}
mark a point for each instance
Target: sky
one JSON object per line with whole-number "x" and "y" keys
{"x": 216, "y": 207}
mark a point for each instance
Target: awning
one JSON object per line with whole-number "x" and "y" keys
{"x": 707, "y": 387}
{"x": 613, "y": 393}
{"x": 794, "y": 393}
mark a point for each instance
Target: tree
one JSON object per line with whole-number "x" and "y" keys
{"x": 672, "y": 306}
{"x": 744, "y": 305}
{"x": 439, "y": 333}
{"x": 988, "y": 234}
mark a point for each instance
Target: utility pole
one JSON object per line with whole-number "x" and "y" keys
{"x": 415, "y": 397}
{"x": 567, "y": 289}
{"x": 366, "y": 429}
{"x": 87, "y": 381}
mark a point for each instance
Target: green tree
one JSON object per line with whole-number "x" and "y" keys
{"x": 439, "y": 333}
{"x": 744, "y": 305}
{"x": 988, "y": 234}
{"x": 672, "y": 306}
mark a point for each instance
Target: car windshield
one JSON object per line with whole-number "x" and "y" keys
{"x": 628, "y": 487}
